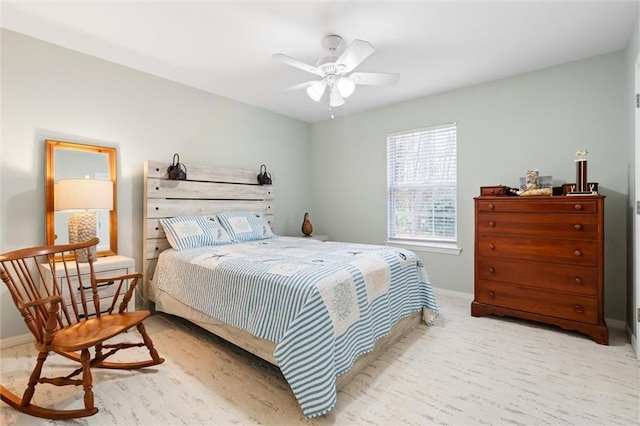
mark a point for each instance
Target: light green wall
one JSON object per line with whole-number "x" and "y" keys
{"x": 535, "y": 120}
{"x": 49, "y": 92}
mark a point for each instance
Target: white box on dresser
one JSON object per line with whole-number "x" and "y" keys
{"x": 104, "y": 267}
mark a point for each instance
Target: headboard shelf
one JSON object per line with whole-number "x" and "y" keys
{"x": 208, "y": 190}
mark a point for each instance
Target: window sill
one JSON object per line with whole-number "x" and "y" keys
{"x": 444, "y": 248}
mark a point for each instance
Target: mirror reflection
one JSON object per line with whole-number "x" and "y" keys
{"x": 67, "y": 161}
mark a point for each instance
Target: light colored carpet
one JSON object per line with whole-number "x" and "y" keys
{"x": 461, "y": 371}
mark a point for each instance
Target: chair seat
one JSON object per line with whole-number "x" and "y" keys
{"x": 89, "y": 332}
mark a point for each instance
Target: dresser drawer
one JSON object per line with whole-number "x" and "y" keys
{"x": 573, "y": 252}
{"x": 566, "y": 306}
{"x": 562, "y": 278}
{"x": 539, "y": 225}
{"x": 105, "y": 290}
{"x": 560, "y": 204}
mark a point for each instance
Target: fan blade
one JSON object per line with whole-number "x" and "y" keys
{"x": 335, "y": 98}
{"x": 374, "y": 78}
{"x": 353, "y": 55}
{"x": 296, "y": 63}
{"x": 302, "y": 85}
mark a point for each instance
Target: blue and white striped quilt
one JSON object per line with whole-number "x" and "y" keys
{"x": 323, "y": 304}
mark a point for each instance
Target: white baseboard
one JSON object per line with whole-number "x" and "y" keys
{"x": 453, "y": 293}
{"x": 633, "y": 340}
{"x": 16, "y": 340}
{"x": 614, "y": 323}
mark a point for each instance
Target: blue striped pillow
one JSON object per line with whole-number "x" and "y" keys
{"x": 246, "y": 226}
{"x": 185, "y": 232}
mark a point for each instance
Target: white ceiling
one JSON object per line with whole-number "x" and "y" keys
{"x": 225, "y": 47}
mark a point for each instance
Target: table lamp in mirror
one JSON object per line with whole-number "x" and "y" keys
{"x": 83, "y": 197}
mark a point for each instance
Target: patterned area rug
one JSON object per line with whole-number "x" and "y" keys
{"x": 461, "y": 371}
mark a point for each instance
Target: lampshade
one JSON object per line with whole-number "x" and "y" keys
{"x": 84, "y": 194}
{"x": 346, "y": 87}
{"x": 316, "y": 90}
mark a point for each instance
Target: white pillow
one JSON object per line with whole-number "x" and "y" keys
{"x": 185, "y": 232}
{"x": 245, "y": 226}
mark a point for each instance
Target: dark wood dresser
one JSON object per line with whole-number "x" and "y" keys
{"x": 541, "y": 258}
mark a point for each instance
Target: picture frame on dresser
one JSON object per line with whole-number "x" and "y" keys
{"x": 542, "y": 259}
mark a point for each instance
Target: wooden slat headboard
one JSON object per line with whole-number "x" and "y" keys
{"x": 208, "y": 190}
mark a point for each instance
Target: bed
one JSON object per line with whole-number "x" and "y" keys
{"x": 320, "y": 311}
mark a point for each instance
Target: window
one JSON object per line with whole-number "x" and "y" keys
{"x": 421, "y": 186}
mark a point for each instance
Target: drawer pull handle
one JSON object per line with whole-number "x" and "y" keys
{"x": 492, "y": 294}
{"x": 492, "y": 223}
{"x": 107, "y": 284}
{"x": 577, "y": 253}
{"x": 578, "y": 280}
{"x": 492, "y": 269}
{"x": 578, "y": 227}
{"x": 577, "y": 206}
{"x": 491, "y": 206}
{"x": 578, "y": 308}
{"x": 492, "y": 247}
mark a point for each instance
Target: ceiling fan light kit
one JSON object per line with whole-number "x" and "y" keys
{"x": 336, "y": 71}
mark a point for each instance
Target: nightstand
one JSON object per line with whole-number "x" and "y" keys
{"x": 104, "y": 267}
{"x": 318, "y": 237}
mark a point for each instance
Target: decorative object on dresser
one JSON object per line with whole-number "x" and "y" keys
{"x": 68, "y": 314}
{"x": 581, "y": 186}
{"x": 498, "y": 190}
{"x": 307, "y": 227}
{"x": 570, "y": 189}
{"x": 542, "y": 259}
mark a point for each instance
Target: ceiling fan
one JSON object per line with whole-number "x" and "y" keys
{"x": 336, "y": 71}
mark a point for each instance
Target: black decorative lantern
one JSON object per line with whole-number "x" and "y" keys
{"x": 264, "y": 177}
{"x": 175, "y": 169}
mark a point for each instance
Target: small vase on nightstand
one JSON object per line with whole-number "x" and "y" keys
{"x": 307, "y": 227}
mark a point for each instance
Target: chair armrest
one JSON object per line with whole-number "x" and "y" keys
{"x": 133, "y": 277}
{"x": 49, "y": 299}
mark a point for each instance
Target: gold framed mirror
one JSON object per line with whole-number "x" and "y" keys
{"x": 68, "y": 160}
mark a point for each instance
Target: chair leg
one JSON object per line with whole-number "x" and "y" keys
{"x": 149, "y": 344}
{"x": 87, "y": 379}
{"x": 33, "y": 379}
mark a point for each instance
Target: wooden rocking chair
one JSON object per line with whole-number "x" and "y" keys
{"x": 64, "y": 314}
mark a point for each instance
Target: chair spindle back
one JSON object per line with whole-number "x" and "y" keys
{"x": 51, "y": 272}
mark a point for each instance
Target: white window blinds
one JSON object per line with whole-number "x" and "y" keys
{"x": 421, "y": 185}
